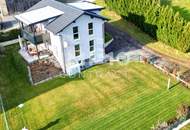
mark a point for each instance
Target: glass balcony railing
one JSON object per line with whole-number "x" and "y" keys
{"x": 35, "y": 39}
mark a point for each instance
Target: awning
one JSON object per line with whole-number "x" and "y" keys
{"x": 38, "y": 15}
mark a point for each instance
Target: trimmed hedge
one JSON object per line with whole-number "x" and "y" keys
{"x": 159, "y": 21}
{"x": 10, "y": 35}
{"x": 108, "y": 37}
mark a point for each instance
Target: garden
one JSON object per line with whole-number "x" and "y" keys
{"x": 109, "y": 96}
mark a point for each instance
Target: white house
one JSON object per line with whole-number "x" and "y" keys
{"x": 73, "y": 33}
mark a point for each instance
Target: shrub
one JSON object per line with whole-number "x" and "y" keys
{"x": 183, "y": 111}
{"x": 10, "y": 35}
{"x": 160, "y": 126}
{"x": 158, "y": 20}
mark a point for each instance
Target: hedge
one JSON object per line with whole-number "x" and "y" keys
{"x": 158, "y": 20}
{"x": 10, "y": 35}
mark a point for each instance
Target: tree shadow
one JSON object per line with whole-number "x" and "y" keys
{"x": 125, "y": 40}
{"x": 139, "y": 21}
{"x": 49, "y": 125}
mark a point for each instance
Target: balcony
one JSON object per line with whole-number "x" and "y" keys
{"x": 35, "y": 39}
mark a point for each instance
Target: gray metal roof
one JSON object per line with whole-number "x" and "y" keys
{"x": 69, "y": 16}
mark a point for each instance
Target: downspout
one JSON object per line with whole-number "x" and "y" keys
{"x": 62, "y": 46}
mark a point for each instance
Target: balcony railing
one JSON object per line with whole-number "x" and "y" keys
{"x": 35, "y": 39}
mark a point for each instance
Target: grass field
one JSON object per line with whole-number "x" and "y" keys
{"x": 186, "y": 127}
{"x": 143, "y": 38}
{"x": 182, "y": 6}
{"x": 111, "y": 96}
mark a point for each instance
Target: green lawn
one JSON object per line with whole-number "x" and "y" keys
{"x": 182, "y": 6}
{"x": 187, "y": 127}
{"x": 142, "y": 37}
{"x": 111, "y": 96}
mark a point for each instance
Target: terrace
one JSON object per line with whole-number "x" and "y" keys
{"x": 37, "y": 38}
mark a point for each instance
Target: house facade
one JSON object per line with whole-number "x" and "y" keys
{"x": 73, "y": 33}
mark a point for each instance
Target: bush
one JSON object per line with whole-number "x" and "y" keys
{"x": 183, "y": 111}
{"x": 10, "y": 35}
{"x": 160, "y": 126}
{"x": 158, "y": 20}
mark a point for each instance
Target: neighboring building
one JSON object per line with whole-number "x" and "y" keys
{"x": 73, "y": 33}
{"x": 3, "y": 8}
{"x": 14, "y": 6}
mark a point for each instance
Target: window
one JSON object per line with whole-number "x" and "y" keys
{"x": 91, "y": 43}
{"x": 90, "y": 28}
{"x": 92, "y": 57}
{"x": 75, "y": 33}
{"x": 77, "y": 50}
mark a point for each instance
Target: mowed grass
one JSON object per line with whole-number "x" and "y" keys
{"x": 187, "y": 127}
{"x": 111, "y": 96}
{"x": 142, "y": 37}
{"x": 182, "y": 6}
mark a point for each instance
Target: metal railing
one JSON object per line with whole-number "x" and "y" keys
{"x": 35, "y": 39}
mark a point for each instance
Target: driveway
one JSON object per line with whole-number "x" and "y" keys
{"x": 122, "y": 41}
{"x": 124, "y": 45}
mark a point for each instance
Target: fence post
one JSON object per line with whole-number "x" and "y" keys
{"x": 4, "y": 114}
{"x": 169, "y": 82}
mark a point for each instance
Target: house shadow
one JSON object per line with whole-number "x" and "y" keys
{"x": 123, "y": 39}
{"x": 49, "y": 125}
{"x": 15, "y": 87}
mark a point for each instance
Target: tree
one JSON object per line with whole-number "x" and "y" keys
{"x": 158, "y": 20}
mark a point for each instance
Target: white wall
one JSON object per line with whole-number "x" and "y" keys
{"x": 57, "y": 49}
{"x": 84, "y": 39}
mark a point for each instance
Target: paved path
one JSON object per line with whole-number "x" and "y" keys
{"x": 123, "y": 42}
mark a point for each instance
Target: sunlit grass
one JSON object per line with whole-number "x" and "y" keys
{"x": 143, "y": 38}
{"x": 110, "y": 96}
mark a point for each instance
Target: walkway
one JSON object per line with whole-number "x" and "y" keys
{"x": 125, "y": 46}
{"x": 123, "y": 42}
